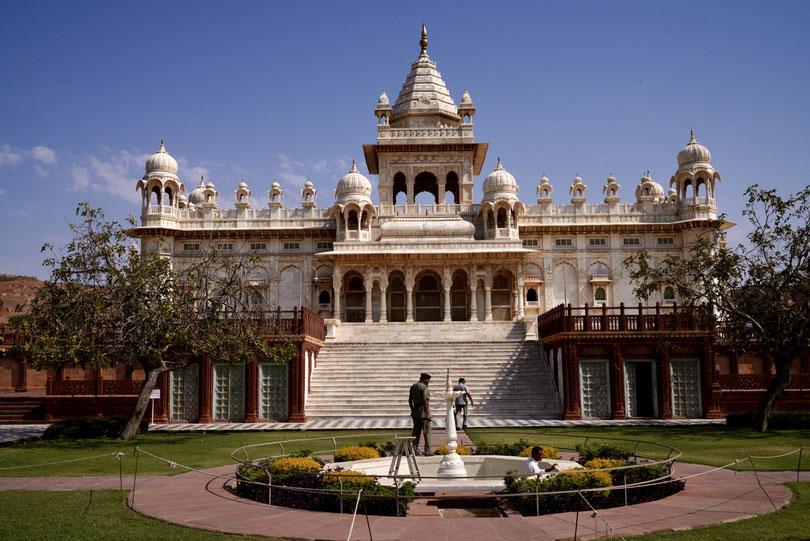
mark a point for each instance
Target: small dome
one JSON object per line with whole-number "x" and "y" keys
{"x": 198, "y": 195}
{"x": 648, "y": 189}
{"x": 694, "y": 152}
{"x": 243, "y": 185}
{"x": 308, "y": 184}
{"x": 383, "y": 101}
{"x": 275, "y": 184}
{"x": 210, "y": 184}
{"x": 161, "y": 161}
{"x": 465, "y": 98}
{"x": 353, "y": 185}
{"x": 500, "y": 184}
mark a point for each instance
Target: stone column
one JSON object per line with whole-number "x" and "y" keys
{"x": 409, "y": 304}
{"x": 473, "y": 300}
{"x": 369, "y": 286}
{"x": 664, "y": 386}
{"x": 447, "y": 313}
{"x": 488, "y": 303}
{"x": 252, "y": 392}
{"x": 486, "y": 226}
{"x": 573, "y": 409}
{"x": 521, "y": 295}
{"x": 206, "y": 390}
{"x": 296, "y": 387}
{"x": 409, "y": 188}
{"x": 617, "y": 383}
{"x": 383, "y": 301}
{"x": 22, "y": 386}
{"x": 441, "y": 193}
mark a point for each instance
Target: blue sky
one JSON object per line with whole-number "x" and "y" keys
{"x": 264, "y": 90}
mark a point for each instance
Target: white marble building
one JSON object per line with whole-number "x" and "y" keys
{"x": 366, "y": 257}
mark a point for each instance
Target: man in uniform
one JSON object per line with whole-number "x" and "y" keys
{"x": 418, "y": 400}
{"x": 461, "y": 403}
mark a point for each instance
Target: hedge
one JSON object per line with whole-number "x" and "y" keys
{"x": 81, "y": 428}
{"x": 779, "y": 420}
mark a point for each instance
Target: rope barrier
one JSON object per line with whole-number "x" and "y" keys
{"x": 66, "y": 461}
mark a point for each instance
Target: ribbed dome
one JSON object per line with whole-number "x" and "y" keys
{"x": 161, "y": 161}
{"x": 198, "y": 195}
{"x": 694, "y": 152}
{"x": 500, "y": 184}
{"x": 648, "y": 189}
{"x": 353, "y": 185}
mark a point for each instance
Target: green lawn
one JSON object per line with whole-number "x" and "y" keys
{"x": 788, "y": 524}
{"x": 85, "y": 515}
{"x": 197, "y": 450}
{"x": 710, "y": 445}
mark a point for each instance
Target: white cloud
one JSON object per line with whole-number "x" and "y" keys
{"x": 41, "y": 171}
{"x": 287, "y": 173}
{"x": 81, "y": 178}
{"x": 343, "y": 165}
{"x": 9, "y": 156}
{"x": 192, "y": 176}
{"x": 43, "y": 154}
{"x": 320, "y": 166}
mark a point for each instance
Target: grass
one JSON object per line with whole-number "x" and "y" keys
{"x": 709, "y": 445}
{"x": 84, "y": 514}
{"x": 787, "y": 524}
{"x": 197, "y": 450}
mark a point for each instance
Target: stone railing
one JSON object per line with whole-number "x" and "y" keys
{"x": 620, "y": 318}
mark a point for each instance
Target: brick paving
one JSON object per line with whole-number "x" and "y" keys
{"x": 713, "y": 498}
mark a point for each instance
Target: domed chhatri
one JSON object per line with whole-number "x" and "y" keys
{"x": 648, "y": 189}
{"x": 500, "y": 184}
{"x": 197, "y": 196}
{"x": 694, "y": 152}
{"x": 383, "y": 101}
{"x": 353, "y": 186}
{"x": 161, "y": 161}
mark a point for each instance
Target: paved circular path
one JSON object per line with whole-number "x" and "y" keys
{"x": 196, "y": 500}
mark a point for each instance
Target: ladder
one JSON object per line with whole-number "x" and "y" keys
{"x": 404, "y": 446}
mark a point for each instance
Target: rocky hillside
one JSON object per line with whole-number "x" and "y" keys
{"x": 15, "y": 290}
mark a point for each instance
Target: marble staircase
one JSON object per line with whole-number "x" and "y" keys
{"x": 370, "y": 379}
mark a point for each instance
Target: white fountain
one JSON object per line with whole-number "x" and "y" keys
{"x": 451, "y": 465}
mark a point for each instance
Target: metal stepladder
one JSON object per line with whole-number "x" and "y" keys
{"x": 404, "y": 446}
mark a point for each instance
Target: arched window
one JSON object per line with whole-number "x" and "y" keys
{"x": 400, "y": 187}
{"x": 531, "y": 295}
{"x": 599, "y": 295}
{"x": 501, "y": 218}
{"x": 352, "y": 220}
{"x": 426, "y": 182}
{"x": 324, "y": 297}
{"x": 451, "y": 187}
{"x": 154, "y": 198}
{"x": 669, "y": 295}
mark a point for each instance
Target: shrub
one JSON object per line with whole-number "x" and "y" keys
{"x": 548, "y": 452}
{"x": 601, "y": 450}
{"x": 81, "y": 428}
{"x": 295, "y": 464}
{"x": 779, "y": 420}
{"x": 346, "y": 454}
{"x": 351, "y": 480}
{"x": 557, "y": 503}
{"x": 460, "y": 449}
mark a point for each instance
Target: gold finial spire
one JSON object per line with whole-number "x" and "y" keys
{"x": 424, "y": 42}
{"x": 691, "y": 136}
{"x": 354, "y": 167}
{"x": 162, "y": 148}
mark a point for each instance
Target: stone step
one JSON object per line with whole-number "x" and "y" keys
{"x": 436, "y": 332}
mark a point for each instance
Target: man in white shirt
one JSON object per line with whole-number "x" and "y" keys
{"x": 532, "y": 466}
{"x": 461, "y": 403}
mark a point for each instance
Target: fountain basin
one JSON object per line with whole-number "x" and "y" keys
{"x": 484, "y": 472}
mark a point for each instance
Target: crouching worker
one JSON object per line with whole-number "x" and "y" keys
{"x": 532, "y": 463}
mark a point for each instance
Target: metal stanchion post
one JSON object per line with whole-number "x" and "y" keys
{"x": 799, "y": 467}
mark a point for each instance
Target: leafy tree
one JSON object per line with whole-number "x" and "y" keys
{"x": 105, "y": 304}
{"x": 760, "y": 291}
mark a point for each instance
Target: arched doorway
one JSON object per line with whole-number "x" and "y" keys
{"x": 502, "y": 297}
{"x": 396, "y": 298}
{"x": 426, "y": 182}
{"x": 428, "y": 298}
{"x": 355, "y": 299}
{"x": 459, "y": 297}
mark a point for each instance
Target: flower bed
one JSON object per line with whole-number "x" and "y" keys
{"x": 296, "y": 483}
